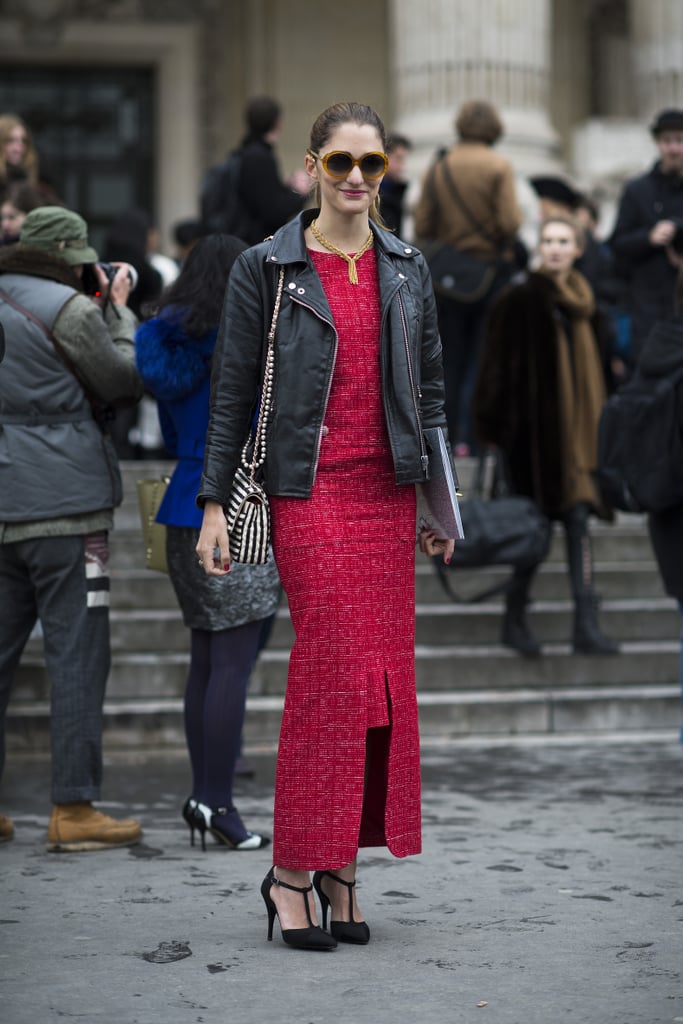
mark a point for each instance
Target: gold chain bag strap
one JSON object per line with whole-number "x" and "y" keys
{"x": 248, "y": 512}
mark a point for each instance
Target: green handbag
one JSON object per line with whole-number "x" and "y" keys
{"x": 150, "y": 495}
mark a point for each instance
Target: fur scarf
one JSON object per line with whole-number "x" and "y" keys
{"x": 519, "y": 401}
{"x": 36, "y": 262}
{"x": 170, "y": 362}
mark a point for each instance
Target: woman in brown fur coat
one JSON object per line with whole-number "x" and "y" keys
{"x": 538, "y": 398}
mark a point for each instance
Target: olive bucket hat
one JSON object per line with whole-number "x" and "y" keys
{"x": 60, "y": 232}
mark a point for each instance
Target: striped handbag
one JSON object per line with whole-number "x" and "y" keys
{"x": 247, "y": 512}
{"x": 248, "y": 517}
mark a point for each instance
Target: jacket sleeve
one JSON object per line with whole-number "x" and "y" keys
{"x": 431, "y": 365}
{"x": 425, "y": 221}
{"x": 517, "y": 366}
{"x": 101, "y": 349}
{"x": 500, "y": 398}
{"x": 235, "y": 380}
{"x": 630, "y": 240}
{"x": 488, "y": 402}
{"x": 507, "y": 213}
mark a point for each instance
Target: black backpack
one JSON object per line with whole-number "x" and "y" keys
{"x": 640, "y": 445}
{"x": 221, "y": 208}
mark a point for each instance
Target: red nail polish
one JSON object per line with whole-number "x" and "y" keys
{"x": 227, "y": 567}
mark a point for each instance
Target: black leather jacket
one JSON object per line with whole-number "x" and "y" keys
{"x": 305, "y": 351}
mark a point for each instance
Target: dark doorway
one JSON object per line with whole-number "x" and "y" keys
{"x": 95, "y": 133}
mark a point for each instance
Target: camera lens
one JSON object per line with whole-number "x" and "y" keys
{"x": 111, "y": 271}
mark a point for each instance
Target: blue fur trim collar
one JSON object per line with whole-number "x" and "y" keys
{"x": 171, "y": 364}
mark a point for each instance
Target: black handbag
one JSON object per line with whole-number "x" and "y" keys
{"x": 457, "y": 274}
{"x": 504, "y": 529}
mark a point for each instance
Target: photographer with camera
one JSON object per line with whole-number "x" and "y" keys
{"x": 69, "y": 360}
{"x": 649, "y": 217}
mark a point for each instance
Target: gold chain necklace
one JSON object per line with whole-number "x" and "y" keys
{"x": 351, "y": 260}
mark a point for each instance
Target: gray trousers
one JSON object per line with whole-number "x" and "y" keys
{"x": 64, "y": 582}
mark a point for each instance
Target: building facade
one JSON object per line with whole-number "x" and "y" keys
{"x": 130, "y": 100}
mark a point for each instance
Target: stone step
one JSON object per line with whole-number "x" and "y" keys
{"x": 162, "y": 629}
{"x": 133, "y": 470}
{"x": 137, "y": 724}
{"x": 609, "y": 544}
{"x": 608, "y": 538}
{"x": 467, "y": 683}
{"x": 613, "y": 579}
{"x": 154, "y": 675}
{"x": 140, "y": 588}
{"x": 551, "y": 620}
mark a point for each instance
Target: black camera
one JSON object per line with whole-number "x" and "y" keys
{"x": 91, "y": 284}
{"x": 111, "y": 270}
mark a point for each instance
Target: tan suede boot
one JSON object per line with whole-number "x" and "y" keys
{"x": 80, "y": 827}
{"x": 6, "y": 828}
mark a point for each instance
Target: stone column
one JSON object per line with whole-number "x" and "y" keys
{"x": 448, "y": 51}
{"x": 657, "y": 35}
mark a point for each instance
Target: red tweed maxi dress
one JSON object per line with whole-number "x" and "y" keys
{"x": 346, "y": 558}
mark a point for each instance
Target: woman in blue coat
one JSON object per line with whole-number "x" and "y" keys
{"x": 225, "y": 615}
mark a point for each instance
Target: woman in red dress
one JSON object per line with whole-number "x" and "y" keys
{"x": 358, "y": 379}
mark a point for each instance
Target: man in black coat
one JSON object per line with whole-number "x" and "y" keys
{"x": 650, "y": 211}
{"x": 266, "y": 198}
{"x": 662, "y": 357}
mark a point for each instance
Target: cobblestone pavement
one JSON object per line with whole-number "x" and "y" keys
{"x": 550, "y": 889}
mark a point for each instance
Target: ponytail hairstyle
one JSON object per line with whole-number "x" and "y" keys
{"x": 334, "y": 117}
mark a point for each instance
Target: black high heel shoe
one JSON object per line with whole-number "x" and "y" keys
{"x": 344, "y": 931}
{"x": 312, "y": 937}
{"x": 190, "y": 816}
{"x": 209, "y": 818}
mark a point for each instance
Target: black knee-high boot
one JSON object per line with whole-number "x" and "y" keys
{"x": 516, "y": 632}
{"x": 587, "y": 637}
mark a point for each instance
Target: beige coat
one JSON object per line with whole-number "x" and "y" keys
{"x": 485, "y": 181}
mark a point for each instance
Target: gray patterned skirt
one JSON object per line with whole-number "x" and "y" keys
{"x": 248, "y": 593}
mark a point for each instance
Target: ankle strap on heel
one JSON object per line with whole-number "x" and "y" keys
{"x": 336, "y": 878}
{"x": 350, "y": 886}
{"x": 295, "y": 888}
{"x": 303, "y": 889}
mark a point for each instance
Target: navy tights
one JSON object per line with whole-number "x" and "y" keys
{"x": 220, "y": 666}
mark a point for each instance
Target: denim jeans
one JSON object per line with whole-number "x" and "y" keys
{"x": 64, "y": 582}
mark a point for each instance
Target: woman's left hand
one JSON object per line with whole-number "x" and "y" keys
{"x": 432, "y": 545}
{"x": 213, "y": 546}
